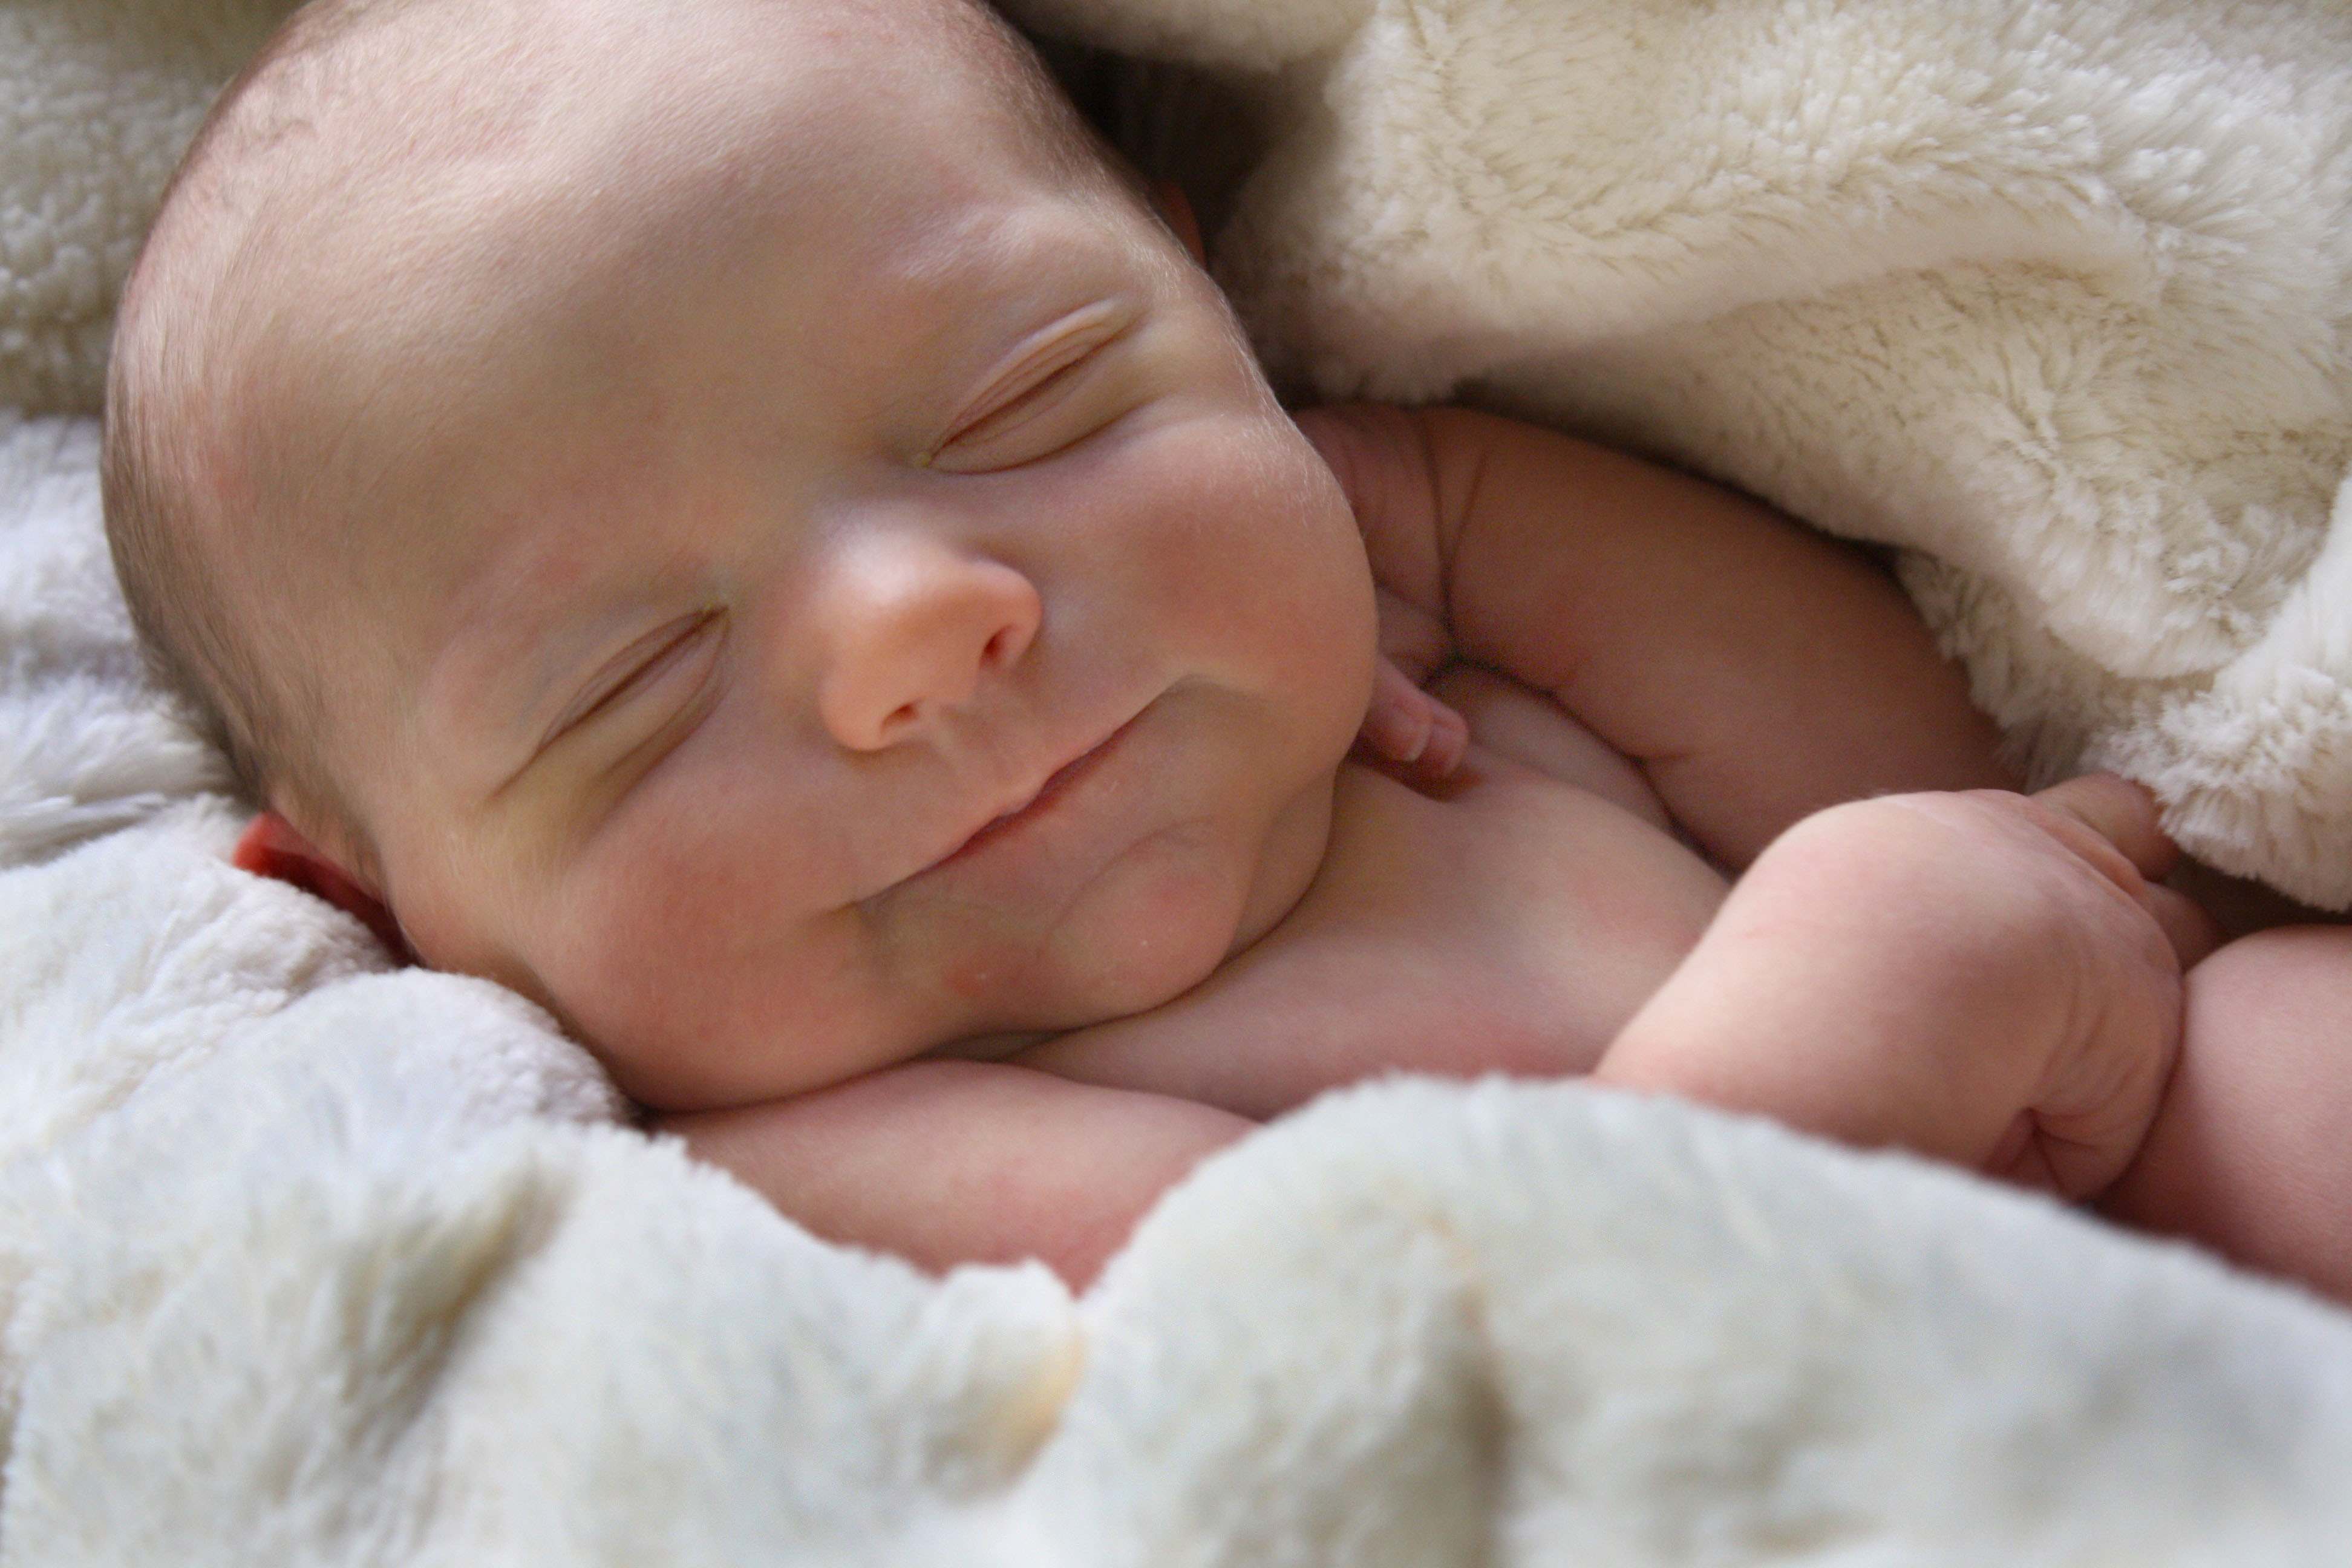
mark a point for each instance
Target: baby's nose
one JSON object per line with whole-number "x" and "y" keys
{"x": 912, "y": 625}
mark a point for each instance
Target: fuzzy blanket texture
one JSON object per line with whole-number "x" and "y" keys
{"x": 304, "y": 1259}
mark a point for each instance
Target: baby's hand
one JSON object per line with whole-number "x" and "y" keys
{"x": 1380, "y": 457}
{"x": 2043, "y": 918}
{"x": 1985, "y": 977}
{"x": 2106, "y": 950}
{"x": 1407, "y": 726}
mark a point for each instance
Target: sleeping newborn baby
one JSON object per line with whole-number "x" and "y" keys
{"x": 740, "y": 522}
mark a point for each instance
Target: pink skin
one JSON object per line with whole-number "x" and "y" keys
{"x": 880, "y": 513}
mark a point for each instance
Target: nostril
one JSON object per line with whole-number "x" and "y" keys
{"x": 898, "y": 718}
{"x": 1011, "y": 642}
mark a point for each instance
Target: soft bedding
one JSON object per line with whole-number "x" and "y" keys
{"x": 303, "y": 1258}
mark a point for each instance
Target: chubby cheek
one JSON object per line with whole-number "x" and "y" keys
{"x": 1247, "y": 545}
{"x": 1313, "y": 619}
{"x": 701, "y": 982}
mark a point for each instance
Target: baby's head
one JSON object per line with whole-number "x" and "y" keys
{"x": 642, "y": 486}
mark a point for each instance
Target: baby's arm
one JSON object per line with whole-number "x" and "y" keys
{"x": 1755, "y": 671}
{"x": 956, "y": 1161}
{"x": 2252, "y": 1151}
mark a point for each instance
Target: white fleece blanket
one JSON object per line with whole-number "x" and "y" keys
{"x": 304, "y": 1260}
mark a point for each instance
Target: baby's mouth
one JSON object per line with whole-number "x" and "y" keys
{"x": 1041, "y": 801}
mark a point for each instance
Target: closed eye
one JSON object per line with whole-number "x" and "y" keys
{"x": 679, "y": 649}
{"x": 1008, "y": 422}
{"x": 1026, "y": 408}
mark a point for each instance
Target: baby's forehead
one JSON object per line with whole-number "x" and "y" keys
{"x": 511, "y": 207}
{"x": 650, "y": 87}
{"x": 485, "y": 343}
{"x": 511, "y": 165}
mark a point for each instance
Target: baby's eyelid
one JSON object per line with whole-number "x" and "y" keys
{"x": 1041, "y": 360}
{"x": 643, "y": 660}
{"x": 1032, "y": 402}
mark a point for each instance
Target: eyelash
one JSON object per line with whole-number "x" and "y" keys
{"x": 1042, "y": 387}
{"x": 1024, "y": 408}
{"x": 682, "y": 640}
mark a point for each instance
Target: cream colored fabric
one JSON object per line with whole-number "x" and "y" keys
{"x": 97, "y": 99}
{"x": 303, "y": 1261}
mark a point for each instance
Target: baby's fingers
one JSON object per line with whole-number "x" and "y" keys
{"x": 1449, "y": 738}
{"x": 2124, "y": 817}
{"x": 2188, "y": 926}
{"x": 1406, "y": 724}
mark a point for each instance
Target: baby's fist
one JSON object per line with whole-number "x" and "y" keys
{"x": 2037, "y": 921}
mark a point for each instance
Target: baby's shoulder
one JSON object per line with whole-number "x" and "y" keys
{"x": 1414, "y": 478}
{"x": 1422, "y": 454}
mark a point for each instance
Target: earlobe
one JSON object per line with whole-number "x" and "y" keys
{"x": 274, "y": 848}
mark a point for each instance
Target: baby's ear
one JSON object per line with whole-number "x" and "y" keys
{"x": 1177, "y": 207}
{"x": 274, "y": 848}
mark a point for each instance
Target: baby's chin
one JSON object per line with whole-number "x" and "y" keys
{"x": 1151, "y": 929}
{"x": 1166, "y": 918}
